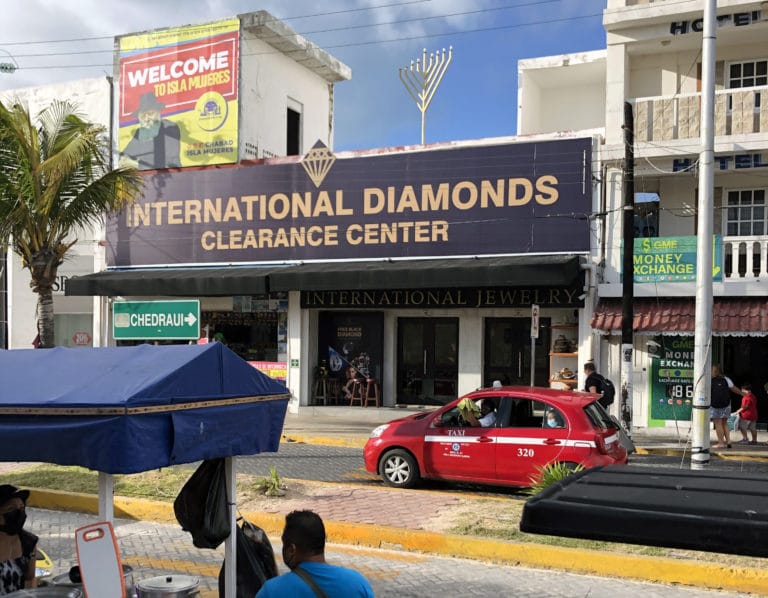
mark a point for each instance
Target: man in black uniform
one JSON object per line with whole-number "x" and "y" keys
{"x": 594, "y": 382}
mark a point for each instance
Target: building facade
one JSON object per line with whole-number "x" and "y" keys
{"x": 653, "y": 61}
{"x": 243, "y": 88}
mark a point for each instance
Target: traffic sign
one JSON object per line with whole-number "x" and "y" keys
{"x": 149, "y": 320}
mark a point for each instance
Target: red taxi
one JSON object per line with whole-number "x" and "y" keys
{"x": 530, "y": 428}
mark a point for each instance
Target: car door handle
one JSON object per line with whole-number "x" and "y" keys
{"x": 551, "y": 441}
{"x": 484, "y": 439}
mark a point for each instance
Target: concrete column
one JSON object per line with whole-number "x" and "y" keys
{"x": 616, "y": 87}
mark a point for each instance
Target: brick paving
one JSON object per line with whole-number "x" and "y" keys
{"x": 410, "y": 509}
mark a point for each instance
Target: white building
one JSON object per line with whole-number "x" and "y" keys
{"x": 73, "y": 315}
{"x": 653, "y": 61}
{"x": 285, "y": 99}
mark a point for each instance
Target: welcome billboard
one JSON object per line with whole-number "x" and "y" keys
{"x": 178, "y": 103}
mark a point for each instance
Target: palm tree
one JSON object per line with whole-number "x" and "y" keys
{"x": 55, "y": 179}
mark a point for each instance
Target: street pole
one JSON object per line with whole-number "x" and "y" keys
{"x": 702, "y": 348}
{"x": 628, "y": 279}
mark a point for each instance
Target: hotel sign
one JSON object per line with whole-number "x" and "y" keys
{"x": 499, "y": 199}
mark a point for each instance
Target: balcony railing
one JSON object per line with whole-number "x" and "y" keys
{"x": 745, "y": 258}
{"x": 666, "y": 118}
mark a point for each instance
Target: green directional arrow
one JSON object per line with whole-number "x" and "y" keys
{"x": 150, "y": 320}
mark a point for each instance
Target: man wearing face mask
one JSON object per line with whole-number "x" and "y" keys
{"x": 17, "y": 546}
{"x": 310, "y": 576}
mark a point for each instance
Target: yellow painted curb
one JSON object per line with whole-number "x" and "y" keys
{"x": 347, "y": 442}
{"x": 645, "y": 568}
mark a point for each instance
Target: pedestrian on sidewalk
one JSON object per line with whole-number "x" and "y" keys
{"x": 310, "y": 576}
{"x": 747, "y": 414}
{"x": 595, "y": 383}
{"x": 720, "y": 405}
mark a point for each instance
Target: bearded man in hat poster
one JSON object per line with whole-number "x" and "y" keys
{"x": 156, "y": 142}
{"x": 18, "y": 547}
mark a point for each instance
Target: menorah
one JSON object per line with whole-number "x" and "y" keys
{"x": 422, "y": 79}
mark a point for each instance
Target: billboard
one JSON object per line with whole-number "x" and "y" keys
{"x": 178, "y": 103}
{"x": 510, "y": 198}
{"x": 671, "y": 379}
{"x": 672, "y": 259}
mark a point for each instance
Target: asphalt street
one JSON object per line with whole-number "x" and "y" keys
{"x": 153, "y": 549}
{"x": 343, "y": 464}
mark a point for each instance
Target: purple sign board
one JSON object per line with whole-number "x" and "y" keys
{"x": 514, "y": 198}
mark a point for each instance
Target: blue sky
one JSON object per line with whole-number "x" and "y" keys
{"x": 477, "y": 97}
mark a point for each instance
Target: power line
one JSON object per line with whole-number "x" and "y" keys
{"x": 362, "y": 43}
{"x": 319, "y": 31}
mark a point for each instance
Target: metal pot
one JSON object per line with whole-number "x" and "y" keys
{"x": 168, "y": 586}
{"x": 72, "y": 580}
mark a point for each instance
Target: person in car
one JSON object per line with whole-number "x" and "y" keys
{"x": 487, "y": 415}
{"x": 553, "y": 420}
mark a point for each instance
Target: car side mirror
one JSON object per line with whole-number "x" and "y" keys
{"x": 437, "y": 423}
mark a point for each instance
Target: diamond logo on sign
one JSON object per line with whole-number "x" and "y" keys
{"x": 145, "y": 320}
{"x": 318, "y": 162}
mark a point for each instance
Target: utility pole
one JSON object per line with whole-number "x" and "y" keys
{"x": 702, "y": 348}
{"x": 628, "y": 279}
{"x": 423, "y": 78}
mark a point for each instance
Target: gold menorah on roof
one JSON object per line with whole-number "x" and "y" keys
{"x": 422, "y": 79}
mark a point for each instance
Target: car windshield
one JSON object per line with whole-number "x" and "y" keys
{"x": 598, "y": 415}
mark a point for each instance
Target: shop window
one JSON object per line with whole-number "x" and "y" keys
{"x": 646, "y": 215}
{"x": 255, "y": 329}
{"x": 73, "y": 330}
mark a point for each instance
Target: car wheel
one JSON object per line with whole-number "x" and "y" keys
{"x": 399, "y": 469}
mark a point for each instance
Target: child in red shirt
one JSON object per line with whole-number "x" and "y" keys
{"x": 747, "y": 414}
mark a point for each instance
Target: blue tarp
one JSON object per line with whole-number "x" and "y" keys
{"x": 131, "y": 409}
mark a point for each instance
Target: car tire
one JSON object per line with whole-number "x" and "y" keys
{"x": 399, "y": 469}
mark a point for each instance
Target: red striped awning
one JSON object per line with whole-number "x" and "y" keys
{"x": 732, "y": 316}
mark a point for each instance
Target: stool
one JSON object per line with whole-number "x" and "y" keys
{"x": 332, "y": 391}
{"x": 371, "y": 392}
{"x": 358, "y": 392}
{"x": 321, "y": 394}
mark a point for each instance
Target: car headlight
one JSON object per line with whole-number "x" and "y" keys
{"x": 378, "y": 431}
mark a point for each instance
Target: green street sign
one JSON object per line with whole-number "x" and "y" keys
{"x": 148, "y": 320}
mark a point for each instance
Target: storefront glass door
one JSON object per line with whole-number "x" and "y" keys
{"x": 507, "y": 354}
{"x": 427, "y": 360}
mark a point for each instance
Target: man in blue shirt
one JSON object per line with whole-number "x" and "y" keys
{"x": 310, "y": 576}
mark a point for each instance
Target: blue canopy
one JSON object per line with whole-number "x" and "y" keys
{"x": 131, "y": 409}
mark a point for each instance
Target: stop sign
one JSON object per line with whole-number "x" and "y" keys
{"x": 81, "y": 338}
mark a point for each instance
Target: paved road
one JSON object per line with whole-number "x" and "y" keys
{"x": 340, "y": 464}
{"x": 155, "y": 549}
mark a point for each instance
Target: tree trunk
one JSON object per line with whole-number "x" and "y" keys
{"x": 45, "y": 321}
{"x": 43, "y": 268}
